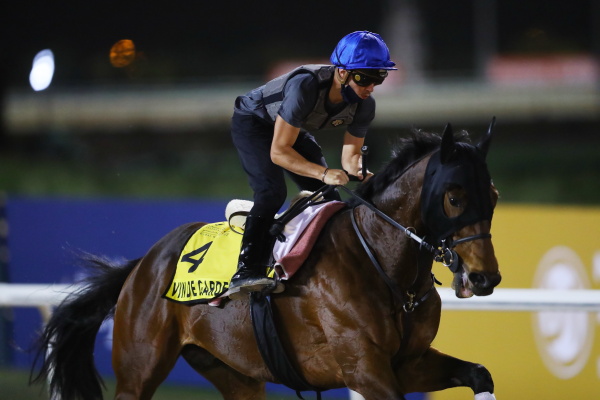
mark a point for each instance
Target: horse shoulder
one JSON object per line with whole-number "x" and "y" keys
{"x": 349, "y": 298}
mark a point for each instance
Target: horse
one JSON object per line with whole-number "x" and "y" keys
{"x": 342, "y": 323}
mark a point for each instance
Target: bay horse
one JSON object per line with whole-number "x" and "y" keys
{"x": 341, "y": 322}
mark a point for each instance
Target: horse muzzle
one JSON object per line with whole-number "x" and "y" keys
{"x": 467, "y": 284}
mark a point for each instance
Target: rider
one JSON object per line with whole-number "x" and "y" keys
{"x": 270, "y": 129}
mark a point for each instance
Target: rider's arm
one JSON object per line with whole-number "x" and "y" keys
{"x": 283, "y": 154}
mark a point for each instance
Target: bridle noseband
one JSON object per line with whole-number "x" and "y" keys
{"x": 449, "y": 258}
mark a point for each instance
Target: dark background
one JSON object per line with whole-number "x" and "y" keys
{"x": 543, "y": 159}
{"x": 183, "y": 40}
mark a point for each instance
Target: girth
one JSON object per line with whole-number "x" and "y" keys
{"x": 271, "y": 348}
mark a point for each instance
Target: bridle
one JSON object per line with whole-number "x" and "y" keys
{"x": 450, "y": 258}
{"x": 443, "y": 253}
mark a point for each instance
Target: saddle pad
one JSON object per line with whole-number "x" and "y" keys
{"x": 304, "y": 231}
{"x": 206, "y": 264}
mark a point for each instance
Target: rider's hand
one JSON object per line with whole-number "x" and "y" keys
{"x": 359, "y": 176}
{"x": 335, "y": 177}
{"x": 366, "y": 178}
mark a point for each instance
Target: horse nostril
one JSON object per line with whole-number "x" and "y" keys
{"x": 495, "y": 279}
{"x": 477, "y": 279}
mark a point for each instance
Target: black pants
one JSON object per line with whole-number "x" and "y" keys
{"x": 252, "y": 138}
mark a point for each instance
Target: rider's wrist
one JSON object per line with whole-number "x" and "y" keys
{"x": 324, "y": 173}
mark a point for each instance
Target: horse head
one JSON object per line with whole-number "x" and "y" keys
{"x": 457, "y": 204}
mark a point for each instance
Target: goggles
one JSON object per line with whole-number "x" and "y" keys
{"x": 363, "y": 79}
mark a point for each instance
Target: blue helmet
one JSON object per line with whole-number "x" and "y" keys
{"x": 362, "y": 50}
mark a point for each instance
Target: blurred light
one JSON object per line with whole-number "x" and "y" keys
{"x": 122, "y": 53}
{"x": 42, "y": 70}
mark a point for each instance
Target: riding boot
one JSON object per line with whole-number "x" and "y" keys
{"x": 255, "y": 257}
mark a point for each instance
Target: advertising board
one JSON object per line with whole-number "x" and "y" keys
{"x": 550, "y": 354}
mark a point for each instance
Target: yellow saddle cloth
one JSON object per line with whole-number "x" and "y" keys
{"x": 206, "y": 264}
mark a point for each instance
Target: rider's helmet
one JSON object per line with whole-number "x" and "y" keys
{"x": 362, "y": 50}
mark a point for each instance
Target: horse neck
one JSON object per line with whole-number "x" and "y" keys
{"x": 398, "y": 254}
{"x": 402, "y": 199}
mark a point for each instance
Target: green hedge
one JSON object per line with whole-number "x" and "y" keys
{"x": 553, "y": 163}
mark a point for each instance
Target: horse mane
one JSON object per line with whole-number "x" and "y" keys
{"x": 405, "y": 151}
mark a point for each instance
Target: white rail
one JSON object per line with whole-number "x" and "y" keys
{"x": 525, "y": 300}
{"x": 46, "y": 296}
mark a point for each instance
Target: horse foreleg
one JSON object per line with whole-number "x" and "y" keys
{"x": 370, "y": 375}
{"x": 438, "y": 371}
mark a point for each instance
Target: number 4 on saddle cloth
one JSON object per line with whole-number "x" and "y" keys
{"x": 209, "y": 258}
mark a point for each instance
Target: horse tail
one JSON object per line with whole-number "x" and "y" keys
{"x": 65, "y": 347}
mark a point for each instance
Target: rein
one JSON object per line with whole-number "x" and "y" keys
{"x": 444, "y": 254}
{"x": 408, "y": 305}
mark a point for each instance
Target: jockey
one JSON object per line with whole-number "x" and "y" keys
{"x": 270, "y": 130}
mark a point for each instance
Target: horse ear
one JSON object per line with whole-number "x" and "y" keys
{"x": 484, "y": 143}
{"x": 447, "y": 148}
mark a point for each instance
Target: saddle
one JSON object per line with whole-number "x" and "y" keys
{"x": 296, "y": 229}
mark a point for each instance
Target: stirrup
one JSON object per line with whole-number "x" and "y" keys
{"x": 242, "y": 291}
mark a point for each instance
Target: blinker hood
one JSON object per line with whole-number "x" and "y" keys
{"x": 463, "y": 165}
